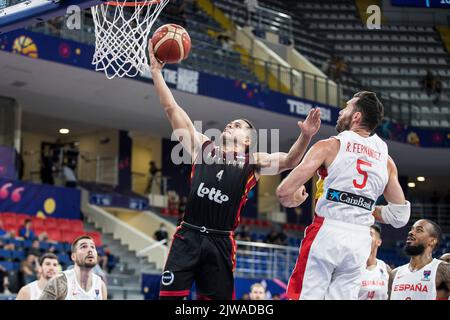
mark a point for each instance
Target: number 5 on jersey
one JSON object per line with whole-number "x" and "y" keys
{"x": 365, "y": 175}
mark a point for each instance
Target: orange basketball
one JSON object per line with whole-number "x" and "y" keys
{"x": 171, "y": 43}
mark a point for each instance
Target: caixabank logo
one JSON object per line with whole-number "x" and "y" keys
{"x": 350, "y": 199}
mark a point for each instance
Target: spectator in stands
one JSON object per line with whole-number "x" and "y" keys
{"x": 29, "y": 269}
{"x": 152, "y": 170}
{"x": 257, "y": 292}
{"x": 225, "y": 44}
{"x": 276, "y": 296}
{"x": 243, "y": 233}
{"x": 69, "y": 175}
{"x": 276, "y": 236}
{"x": 429, "y": 83}
{"x": 107, "y": 261}
{"x": 172, "y": 201}
{"x": 438, "y": 91}
{"x": 3, "y": 232}
{"x": 337, "y": 67}
{"x": 181, "y": 209}
{"x": 35, "y": 248}
{"x": 26, "y": 232}
{"x": 161, "y": 233}
{"x": 4, "y": 281}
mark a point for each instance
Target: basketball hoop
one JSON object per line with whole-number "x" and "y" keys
{"x": 121, "y": 32}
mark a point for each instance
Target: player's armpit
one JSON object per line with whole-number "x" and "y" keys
{"x": 56, "y": 289}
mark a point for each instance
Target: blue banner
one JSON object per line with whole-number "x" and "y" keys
{"x": 118, "y": 201}
{"x": 40, "y": 46}
{"x": 7, "y": 163}
{"x": 39, "y": 200}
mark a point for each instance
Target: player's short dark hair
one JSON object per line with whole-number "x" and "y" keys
{"x": 250, "y": 125}
{"x": 47, "y": 255}
{"x": 75, "y": 242}
{"x": 436, "y": 232}
{"x": 371, "y": 108}
{"x": 377, "y": 229}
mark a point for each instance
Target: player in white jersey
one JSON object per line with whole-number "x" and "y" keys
{"x": 48, "y": 265}
{"x": 423, "y": 278}
{"x": 356, "y": 170}
{"x": 79, "y": 283}
{"x": 375, "y": 277}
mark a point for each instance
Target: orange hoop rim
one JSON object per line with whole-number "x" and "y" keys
{"x": 132, "y": 3}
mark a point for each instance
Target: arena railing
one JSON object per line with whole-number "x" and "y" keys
{"x": 262, "y": 260}
{"x": 440, "y": 213}
{"x": 98, "y": 168}
{"x": 260, "y": 17}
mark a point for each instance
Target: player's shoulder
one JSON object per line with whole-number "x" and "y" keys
{"x": 330, "y": 143}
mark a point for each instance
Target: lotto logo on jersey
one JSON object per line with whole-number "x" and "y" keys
{"x": 350, "y": 198}
{"x": 213, "y": 194}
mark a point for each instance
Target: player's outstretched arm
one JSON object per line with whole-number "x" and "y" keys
{"x": 182, "y": 125}
{"x": 291, "y": 192}
{"x": 274, "y": 163}
{"x": 55, "y": 289}
{"x": 398, "y": 210}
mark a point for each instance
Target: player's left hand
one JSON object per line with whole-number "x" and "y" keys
{"x": 311, "y": 125}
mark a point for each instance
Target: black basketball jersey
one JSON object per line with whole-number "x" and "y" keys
{"x": 220, "y": 184}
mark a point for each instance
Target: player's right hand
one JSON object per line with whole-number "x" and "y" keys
{"x": 155, "y": 64}
{"x": 300, "y": 196}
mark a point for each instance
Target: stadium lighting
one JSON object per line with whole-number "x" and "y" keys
{"x": 64, "y": 131}
{"x": 421, "y": 179}
{"x": 411, "y": 184}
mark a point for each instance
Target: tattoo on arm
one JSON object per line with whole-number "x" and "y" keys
{"x": 443, "y": 275}
{"x": 56, "y": 289}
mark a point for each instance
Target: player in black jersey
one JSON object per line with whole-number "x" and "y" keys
{"x": 203, "y": 247}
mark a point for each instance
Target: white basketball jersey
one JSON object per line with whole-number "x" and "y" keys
{"x": 75, "y": 292}
{"x": 415, "y": 285}
{"x": 355, "y": 179}
{"x": 374, "y": 283}
{"x": 35, "y": 291}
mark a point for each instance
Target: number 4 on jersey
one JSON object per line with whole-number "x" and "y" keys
{"x": 219, "y": 175}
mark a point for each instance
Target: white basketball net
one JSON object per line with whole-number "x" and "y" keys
{"x": 121, "y": 33}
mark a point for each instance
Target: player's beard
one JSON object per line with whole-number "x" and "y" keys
{"x": 412, "y": 251}
{"x": 82, "y": 263}
{"x": 343, "y": 124}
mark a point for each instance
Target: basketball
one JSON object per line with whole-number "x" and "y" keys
{"x": 171, "y": 43}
